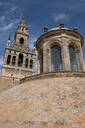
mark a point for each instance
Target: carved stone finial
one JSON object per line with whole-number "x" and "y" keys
{"x": 62, "y": 25}
{"x": 45, "y": 29}
{"x": 23, "y": 17}
{"x": 56, "y": 26}
{"x": 75, "y": 29}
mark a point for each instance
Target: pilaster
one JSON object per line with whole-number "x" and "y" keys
{"x": 65, "y": 57}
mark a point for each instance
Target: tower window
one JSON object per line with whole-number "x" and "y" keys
{"x": 20, "y": 60}
{"x": 26, "y": 63}
{"x": 73, "y": 61}
{"x": 31, "y": 63}
{"x": 13, "y": 60}
{"x": 8, "y": 59}
{"x": 56, "y": 60}
{"x": 21, "y": 41}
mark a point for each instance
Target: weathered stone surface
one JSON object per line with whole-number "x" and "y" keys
{"x": 45, "y": 102}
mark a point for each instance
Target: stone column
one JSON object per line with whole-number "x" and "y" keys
{"x": 16, "y": 63}
{"x": 80, "y": 61}
{"x": 49, "y": 60}
{"x": 34, "y": 59}
{"x": 5, "y": 58}
{"x": 11, "y": 59}
{"x": 65, "y": 57}
{"x": 44, "y": 60}
{"x": 38, "y": 64}
{"x": 24, "y": 59}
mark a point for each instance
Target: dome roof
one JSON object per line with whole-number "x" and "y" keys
{"x": 47, "y": 100}
{"x": 57, "y": 28}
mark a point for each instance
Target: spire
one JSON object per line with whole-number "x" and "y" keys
{"x": 21, "y": 33}
{"x": 23, "y": 21}
{"x": 9, "y": 37}
{"x": 8, "y": 42}
{"x": 22, "y": 26}
{"x": 23, "y": 17}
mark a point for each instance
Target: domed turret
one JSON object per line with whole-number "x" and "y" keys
{"x": 60, "y": 49}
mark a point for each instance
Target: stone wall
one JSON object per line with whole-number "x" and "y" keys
{"x": 54, "y": 100}
{"x": 7, "y": 82}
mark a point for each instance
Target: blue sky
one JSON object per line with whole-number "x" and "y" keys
{"x": 39, "y": 13}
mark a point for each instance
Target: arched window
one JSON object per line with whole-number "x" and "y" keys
{"x": 56, "y": 60}
{"x": 73, "y": 61}
{"x": 8, "y": 59}
{"x": 20, "y": 60}
{"x": 21, "y": 41}
{"x": 13, "y": 60}
{"x": 26, "y": 63}
{"x": 31, "y": 63}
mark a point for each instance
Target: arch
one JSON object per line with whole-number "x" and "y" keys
{"x": 31, "y": 63}
{"x": 13, "y": 60}
{"x": 20, "y": 60}
{"x": 73, "y": 60}
{"x": 52, "y": 43}
{"x": 8, "y": 59}
{"x": 56, "y": 59}
{"x": 21, "y": 40}
{"x": 26, "y": 63}
{"x": 74, "y": 44}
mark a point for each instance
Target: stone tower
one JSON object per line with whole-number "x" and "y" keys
{"x": 60, "y": 49}
{"x": 19, "y": 60}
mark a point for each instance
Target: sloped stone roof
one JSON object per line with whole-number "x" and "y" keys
{"x": 45, "y": 102}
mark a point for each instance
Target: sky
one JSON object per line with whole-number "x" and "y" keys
{"x": 39, "y": 13}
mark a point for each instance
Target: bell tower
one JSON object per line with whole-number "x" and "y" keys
{"x": 21, "y": 35}
{"x": 19, "y": 60}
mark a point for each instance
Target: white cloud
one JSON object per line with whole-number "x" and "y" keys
{"x": 13, "y": 9}
{"x": 1, "y": 60}
{"x": 32, "y": 41}
{"x": 4, "y": 3}
{"x": 7, "y": 27}
{"x": 61, "y": 16}
{"x": 1, "y": 3}
{"x": 2, "y": 18}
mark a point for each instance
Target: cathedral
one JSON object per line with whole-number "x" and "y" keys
{"x": 55, "y": 96}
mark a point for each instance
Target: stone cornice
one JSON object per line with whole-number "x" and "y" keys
{"x": 53, "y": 75}
{"x": 57, "y": 33}
{"x": 20, "y": 50}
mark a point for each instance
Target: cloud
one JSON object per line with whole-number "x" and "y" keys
{"x": 7, "y": 27}
{"x": 36, "y": 63}
{"x": 1, "y": 3}
{"x": 13, "y": 9}
{"x": 32, "y": 40}
{"x": 4, "y": 3}
{"x": 2, "y": 18}
{"x": 61, "y": 16}
{"x": 1, "y": 62}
